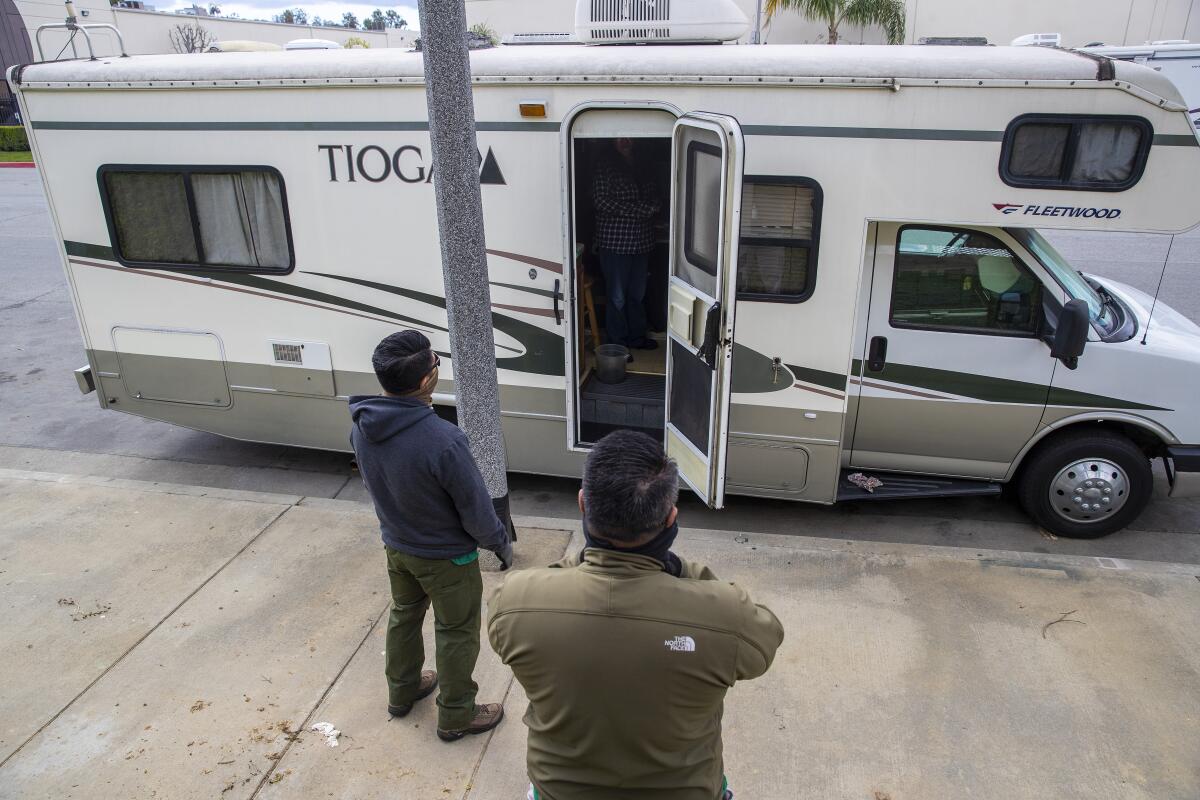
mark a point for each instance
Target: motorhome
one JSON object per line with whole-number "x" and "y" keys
{"x": 1178, "y": 60}
{"x": 853, "y": 294}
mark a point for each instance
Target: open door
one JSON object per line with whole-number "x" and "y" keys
{"x": 706, "y": 164}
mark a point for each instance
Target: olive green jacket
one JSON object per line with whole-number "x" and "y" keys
{"x": 626, "y": 669}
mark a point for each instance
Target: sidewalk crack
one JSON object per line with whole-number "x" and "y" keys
{"x": 491, "y": 735}
{"x": 303, "y": 726}
{"x": 145, "y": 636}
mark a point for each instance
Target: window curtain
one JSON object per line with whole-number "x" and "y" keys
{"x": 150, "y": 212}
{"x": 241, "y": 219}
{"x": 1038, "y": 150}
{"x": 1106, "y": 153}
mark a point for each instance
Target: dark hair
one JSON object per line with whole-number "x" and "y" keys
{"x": 402, "y": 361}
{"x": 629, "y": 487}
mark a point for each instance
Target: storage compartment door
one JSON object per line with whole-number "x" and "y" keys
{"x": 172, "y": 366}
{"x": 706, "y": 164}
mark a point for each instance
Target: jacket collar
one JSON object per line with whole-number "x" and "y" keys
{"x": 617, "y": 561}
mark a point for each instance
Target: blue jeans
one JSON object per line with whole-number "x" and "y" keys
{"x": 625, "y": 278}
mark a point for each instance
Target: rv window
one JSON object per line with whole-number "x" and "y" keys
{"x": 962, "y": 280}
{"x": 702, "y": 222}
{"x": 777, "y": 248}
{"x": 193, "y": 216}
{"x": 1071, "y": 152}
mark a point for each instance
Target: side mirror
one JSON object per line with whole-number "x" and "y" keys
{"x": 1070, "y": 335}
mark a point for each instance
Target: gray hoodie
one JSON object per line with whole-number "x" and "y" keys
{"x": 427, "y": 490}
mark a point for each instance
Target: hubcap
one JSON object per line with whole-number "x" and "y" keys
{"x": 1089, "y": 490}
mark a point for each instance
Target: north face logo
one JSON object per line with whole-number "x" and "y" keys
{"x": 681, "y": 644}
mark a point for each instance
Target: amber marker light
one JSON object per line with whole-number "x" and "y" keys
{"x": 533, "y": 108}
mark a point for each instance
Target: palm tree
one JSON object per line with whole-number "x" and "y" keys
{"x": 888, "y": 14}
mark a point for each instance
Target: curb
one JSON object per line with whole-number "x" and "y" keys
{"x": 17, "y": 164}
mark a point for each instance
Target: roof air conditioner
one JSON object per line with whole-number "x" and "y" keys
{"x": 638, "y": 21}
{"x": 1038, "y": 40}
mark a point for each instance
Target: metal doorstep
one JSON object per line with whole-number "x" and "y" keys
{"x": 899, "y": 486}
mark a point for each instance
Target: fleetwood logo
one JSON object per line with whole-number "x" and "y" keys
{"x": 1086, "y": 212}
{"x": 406, "y": 163}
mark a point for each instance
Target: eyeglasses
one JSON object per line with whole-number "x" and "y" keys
{"x": 437, "y": 362}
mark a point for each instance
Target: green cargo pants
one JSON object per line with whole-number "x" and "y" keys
{"x": 456, "y": 591}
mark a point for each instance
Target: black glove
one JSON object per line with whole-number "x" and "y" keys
{"x": 505, "y": 554}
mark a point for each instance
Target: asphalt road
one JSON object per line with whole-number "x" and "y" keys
{"x": 45, "y": 424}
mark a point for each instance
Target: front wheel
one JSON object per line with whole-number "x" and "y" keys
{"x": 1085, "y": 485}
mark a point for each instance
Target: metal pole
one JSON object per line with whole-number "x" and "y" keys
{"x": 757, "y": 23}
{"x": 460, "y": 224}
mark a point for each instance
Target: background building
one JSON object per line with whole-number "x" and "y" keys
{"x": 14, "y": 49}
{"x": 1080, "y": 22}
{"x": 147, "y": 31}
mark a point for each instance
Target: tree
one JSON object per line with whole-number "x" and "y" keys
{"x": 349, "y": 20}
{"x": 292, "y": 16}
{"x": 214, "y": 10}
{"x": 394, "y": 20}
{"x": 190, "y": 38}
{"x": 317, "y": 22}
{"x": 375, "y": 22}
{"x": 888, "y": 14}
{"x": 355, "y": 42}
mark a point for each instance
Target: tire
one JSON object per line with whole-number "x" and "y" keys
{"x": 1099, "y": 483}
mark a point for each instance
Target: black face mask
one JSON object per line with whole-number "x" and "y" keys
{"x": 658, "y": 548}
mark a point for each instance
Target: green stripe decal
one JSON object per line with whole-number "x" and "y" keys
{"x": 966, "y": 384}
{"x": 819, "y": 377}
{"x": 830, "y": 132}
{"x": 81, "y": 250}
{"x": 1071, "y": 398}
{"x": 544, "y": 354}
{"x": 305, "y": 125}
{"x": 997, "y": 390}
{"x": 811, "y": 131}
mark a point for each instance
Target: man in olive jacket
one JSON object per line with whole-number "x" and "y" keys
{"x": 625, "y": 650}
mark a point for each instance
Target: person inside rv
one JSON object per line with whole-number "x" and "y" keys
{"x": 626, "y": 201}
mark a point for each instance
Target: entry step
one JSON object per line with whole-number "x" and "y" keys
{"x": 636, "y": 402}
{"x": 898, "y": 486}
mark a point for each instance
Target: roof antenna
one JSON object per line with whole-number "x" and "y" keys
{"x": 1159, "y": 289}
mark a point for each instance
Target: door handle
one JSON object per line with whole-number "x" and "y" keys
{"x": 712, "y": 323}
{"x": 877, "y": 354}
{"x": 557, "y": 297}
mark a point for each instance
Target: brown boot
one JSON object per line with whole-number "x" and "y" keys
{"x": 487, "y": 716}
{"x": 429, "y": 682}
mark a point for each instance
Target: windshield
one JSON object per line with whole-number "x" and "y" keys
{"x": 1075, "y": 285}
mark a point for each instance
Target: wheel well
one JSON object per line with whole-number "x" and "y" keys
{"x": 1147, "y": 441}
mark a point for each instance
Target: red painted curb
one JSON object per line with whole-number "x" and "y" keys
{"x": 16, "y": 164}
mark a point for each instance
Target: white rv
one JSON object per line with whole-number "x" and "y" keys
{"x": 1179, "y": 61}
{"x": 849, "y": 274}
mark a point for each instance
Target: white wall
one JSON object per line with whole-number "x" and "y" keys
{"x": 558, "y": 16}
{"x": 1079, "y": 21}
{"x": 148, "y": 32}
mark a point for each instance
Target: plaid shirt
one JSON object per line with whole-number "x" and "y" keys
{"x": 625, "y": 208}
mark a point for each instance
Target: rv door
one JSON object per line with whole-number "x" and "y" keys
{"x": 706, "y": 163}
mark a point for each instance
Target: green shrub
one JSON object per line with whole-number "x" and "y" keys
{"x": 12, "y": 137}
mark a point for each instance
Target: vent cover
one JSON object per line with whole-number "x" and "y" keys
{"x": 635, "y": 21}
{"x": 625, "y": 12}
{"x": 288, "y": 353}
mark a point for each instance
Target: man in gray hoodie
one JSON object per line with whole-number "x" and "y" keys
{"x": 434, "y": 513}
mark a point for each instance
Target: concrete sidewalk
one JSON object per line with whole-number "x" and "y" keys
{"x": 174, "y": 641}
